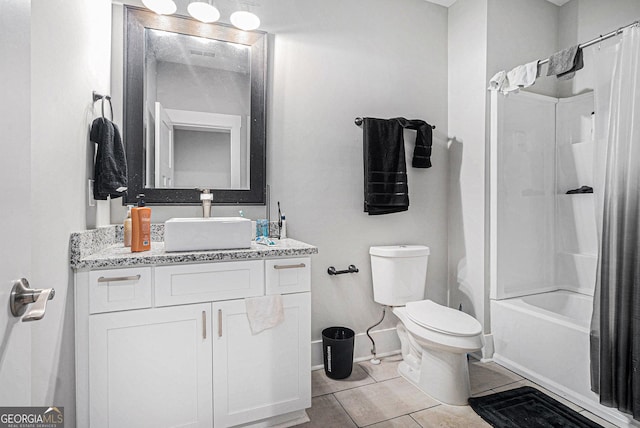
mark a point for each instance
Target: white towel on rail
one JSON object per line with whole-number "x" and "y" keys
{"x": 497, "y": 81}
{"x": 264, "y": 312}
{"x": 520, "y": 77}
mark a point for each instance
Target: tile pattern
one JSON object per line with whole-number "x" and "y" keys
{"x": 375, "y": 396}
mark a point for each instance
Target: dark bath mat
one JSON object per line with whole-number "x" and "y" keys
{"x": 526, "y": 407}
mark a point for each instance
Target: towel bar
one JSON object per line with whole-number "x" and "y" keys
{"x": 359, "y": 121}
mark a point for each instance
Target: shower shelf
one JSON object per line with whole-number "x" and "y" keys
{"x": 574, "y": 194}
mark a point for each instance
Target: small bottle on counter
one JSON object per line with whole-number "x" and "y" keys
{"x": 140, "y": 227}
{"x": 283, "y": 228}
{"x": 127, "y": 229}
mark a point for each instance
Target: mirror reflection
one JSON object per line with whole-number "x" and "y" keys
{"x": 194, "y": 110}
{"x": 197, "y": 108}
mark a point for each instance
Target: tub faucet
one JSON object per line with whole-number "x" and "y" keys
{"x": 206, "y": 197}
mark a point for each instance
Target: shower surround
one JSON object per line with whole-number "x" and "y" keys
{"x": 543, "y": 242}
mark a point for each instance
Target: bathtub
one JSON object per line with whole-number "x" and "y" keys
{"x": 545, "y": 338}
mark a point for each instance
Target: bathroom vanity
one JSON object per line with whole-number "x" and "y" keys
{"x": 163, "y": 339}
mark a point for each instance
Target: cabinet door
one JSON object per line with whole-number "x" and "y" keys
{"x": 151, "y": 368}
{"x": 262, "y": 375}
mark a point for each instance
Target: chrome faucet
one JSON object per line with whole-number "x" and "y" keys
{"x": 206, "y": 197}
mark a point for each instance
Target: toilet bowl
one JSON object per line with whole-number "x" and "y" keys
{"x": 435, "y": 360}
{"x": 435, "y": 339}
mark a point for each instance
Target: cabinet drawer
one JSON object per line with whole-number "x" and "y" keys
{"x": 119, "y": 289}
{"x": 288, "y": 275}
{"x": 175, "y": 285}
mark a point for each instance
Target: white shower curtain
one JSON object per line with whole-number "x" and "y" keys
{"x": 615, "y": 326}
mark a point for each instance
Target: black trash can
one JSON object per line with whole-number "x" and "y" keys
{"x": 337, "y": 350}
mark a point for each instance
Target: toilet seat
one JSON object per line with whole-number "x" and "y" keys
{"x": 432, "y": 338}
{"x": 442, "y": 319}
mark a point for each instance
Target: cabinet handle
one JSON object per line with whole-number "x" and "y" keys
{"x": 219, "y": 322}
{"x": 299, "y": 265}
{"x": 204, "y": 325}
{"x": 119, "y": 278}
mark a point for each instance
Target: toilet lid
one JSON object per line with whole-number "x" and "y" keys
{"x": 440, "y": 318}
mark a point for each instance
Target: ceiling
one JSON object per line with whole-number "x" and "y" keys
{"x": 448, "y": 3}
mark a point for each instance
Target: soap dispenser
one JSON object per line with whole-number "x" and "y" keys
{"x": 140, "y": 227}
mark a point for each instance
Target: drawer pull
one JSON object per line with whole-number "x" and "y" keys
{"x": 119, "y": 278}
{"x": 204, "y": 325}
{"x": 219, "y": 322}
{"x": 299, "y": 265}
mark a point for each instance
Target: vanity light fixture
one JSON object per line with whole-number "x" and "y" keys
{"x": 245, "y": 20}
{"x": 161, "y": 7}
{"x": 203, "y": 11}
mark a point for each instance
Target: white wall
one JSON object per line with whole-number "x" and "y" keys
{"x": 583, "y": 20}
{"x": 467, "y": 107}
{"x": 15, "y": 184}
{"x": 201, "y": 159}
{"x": 70, "y": 57}
{"x": 330, "y": 63}
{"x": 484, "y": 37}
{"x": 197, "y": 88}
{"x": 521, "y": 31}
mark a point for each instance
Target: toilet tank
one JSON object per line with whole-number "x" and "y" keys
{"x": 399, "y": 273}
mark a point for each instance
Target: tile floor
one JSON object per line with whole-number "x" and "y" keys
{"x": 377, "y": 397}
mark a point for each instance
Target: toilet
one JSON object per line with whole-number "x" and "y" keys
{"x": 435, "y": 339}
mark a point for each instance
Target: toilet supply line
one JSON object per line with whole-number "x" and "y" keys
{"x": 375, "y": 360}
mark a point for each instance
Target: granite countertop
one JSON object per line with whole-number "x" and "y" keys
{"x": 101, "y": 248}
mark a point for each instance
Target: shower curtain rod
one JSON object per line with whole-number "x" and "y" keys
{"x": 598, "y": 39}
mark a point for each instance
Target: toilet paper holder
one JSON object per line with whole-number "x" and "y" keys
{"x": 351, "y": 269}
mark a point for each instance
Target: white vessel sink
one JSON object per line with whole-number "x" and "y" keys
{"x": 213, "y": 233}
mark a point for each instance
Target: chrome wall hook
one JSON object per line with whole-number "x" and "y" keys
{"x": 22, "y": 295}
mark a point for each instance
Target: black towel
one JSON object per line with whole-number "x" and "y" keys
{"x": 110, "y": 168}
{"x": 424, "y": 139}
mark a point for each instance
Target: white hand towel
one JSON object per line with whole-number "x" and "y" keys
{"x": 264, "y": 312}
{"x": 520, "y": 77}
{"x": 497, "y": 81}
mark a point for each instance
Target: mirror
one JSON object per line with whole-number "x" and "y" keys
{"x": 194, "y": 114}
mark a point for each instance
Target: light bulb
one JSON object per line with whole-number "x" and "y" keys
{"x": 161, "y": 7}
{"x": 203, "y": 11}
{"x": 245, "y": 20}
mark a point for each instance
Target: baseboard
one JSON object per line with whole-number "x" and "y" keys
{"x": 387, "y": 343}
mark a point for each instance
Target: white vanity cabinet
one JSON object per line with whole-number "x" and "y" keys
{"x": 170, "y": 346}
{"x": 260, "y": 376}
{"x": 151, "y": 368}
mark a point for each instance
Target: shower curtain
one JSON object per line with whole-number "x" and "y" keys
{"x": 615, "y": 325}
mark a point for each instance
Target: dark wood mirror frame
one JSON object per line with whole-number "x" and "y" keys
{"x": 136, "y": 20}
